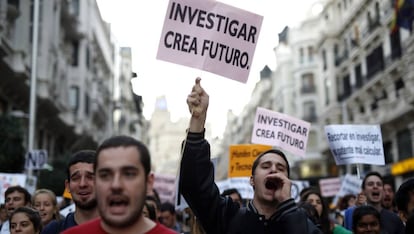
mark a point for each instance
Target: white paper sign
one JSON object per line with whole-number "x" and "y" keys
{"x": 356, "y": 144}
{"x": 330, "y": 187}
{"x": 211, "y": 36}
{"x": 351, "y": 184}
{"x": 277, "y": 129}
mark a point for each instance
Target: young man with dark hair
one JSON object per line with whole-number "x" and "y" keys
{"x": 272, "y": 209}
{"x": 122, "y": 168}
{"x": 404, "y": 198}
{"x": 373, "y": 188}
{"x": 80, "y": 183}
{"x": 15, "y": 197}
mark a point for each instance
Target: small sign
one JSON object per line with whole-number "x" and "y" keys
{"x": 36, "y": 159}
{"x": 241, "y": 158}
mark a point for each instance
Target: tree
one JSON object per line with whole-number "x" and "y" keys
{"x": 12, "y": 152}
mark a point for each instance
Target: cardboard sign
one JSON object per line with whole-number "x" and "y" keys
{"x": 277, "y": 129}
{"x": 211, "y": 36}
{"x": 351, "y": 184}
{"x": 36, "y": 159}
{"x": 241, "y": 158}
{"x": 9, "y": 179}
{"x": 356, "y": 144}
{"x": 330, "y": 187}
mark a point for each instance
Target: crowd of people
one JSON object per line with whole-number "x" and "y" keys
{"x": 112, "y": 190}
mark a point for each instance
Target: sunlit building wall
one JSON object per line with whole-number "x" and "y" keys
{"x": 74, "y": 71}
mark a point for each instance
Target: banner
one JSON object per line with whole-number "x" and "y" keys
{"x": 277, "y": 129}
{"x": 241, "y": 158}
{"x": 356, "y": 144}
{"x": 211, "y": 36}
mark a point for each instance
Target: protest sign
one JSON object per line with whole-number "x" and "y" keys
{"x": 356, "y": 144}
{"x": 211, "y": 36}
{"x": 351, "y": 184}
{"x": 165, "y": 186}
{"x": 241, "y": 158}
{"x": 297, "y": 187}
{"x": 9, "y": 179}
{"x": 277, "y": 129}
{"x": 330, "y": 186}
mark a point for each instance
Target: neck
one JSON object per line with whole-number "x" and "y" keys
{"x": 265, "y": 208}
{"x": 142, "y": 225}
{"x": 82, "y": 216}
{"x": 376, "y": 206}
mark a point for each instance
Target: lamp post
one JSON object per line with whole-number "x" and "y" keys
{"x": 33, "y": 78}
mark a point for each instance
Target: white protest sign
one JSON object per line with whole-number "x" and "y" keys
{"x": 330, "y": 186}
{"x": 297, "y": 187}
{"x": 242, "y": 184}
{"x": 165, "y": 186}
{"x": 211, "y": 36}
{"x": 277, "y": 129}
{"x": 356, "y": 144}
{"x": 351, "y": 184}
{"x": 36, "y": 159}
{"x": 9, "y": 179}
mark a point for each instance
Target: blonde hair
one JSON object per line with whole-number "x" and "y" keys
{"x": 52, "y": 195}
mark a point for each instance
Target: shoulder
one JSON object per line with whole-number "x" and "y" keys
{"x": 92, "y": 226}
{"x": 161, "y": 229}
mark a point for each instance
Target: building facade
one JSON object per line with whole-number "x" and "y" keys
{"x": 75, "y": 72}
{"x": 342, "y": 66}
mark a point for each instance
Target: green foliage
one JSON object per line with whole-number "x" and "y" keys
{"x": 12, "y": 152}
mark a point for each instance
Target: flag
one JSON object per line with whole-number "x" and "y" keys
{"x": 403, "y": 15}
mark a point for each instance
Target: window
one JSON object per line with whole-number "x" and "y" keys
{"x": 325, "y": 66}
{"x": 388, "y": 152}
{"x": 404, "y": 144}
{"x": 301, "y": 56}
{"x": 308, "y": 85}
{"x": 311, "y": 53}
{"x": 75, "y": 53}
{"x": 309, "y": 111}
{"x": 358, "y": 76}
{"x": 74, "y": 98}
{"x": 87, "y": 103}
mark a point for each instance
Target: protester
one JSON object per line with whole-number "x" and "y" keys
{"x": 3, "y": 215}
{"x": 272, "y": 209}
{"x": 366, "y": 219}
{"x": 15, "y": 197}
{"x": 372, "y": 188}
{"x": 122, "y": 168}
{"x": 346, "y": 201}
{"x": 404, "y": 198}
{"x": 44, "y": 200}
{"x": 80, "y": 183}
{"x": 155, "y": 202}
{"x": 169, "y": 218}
{"x": 314, "y": 198}
{"x": 25, "y": 220}
{"x": 388, "y": 198}
{"x": 149, "y": 211}
{"x": 234, "y": 194}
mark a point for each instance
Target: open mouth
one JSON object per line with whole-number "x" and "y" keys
{"x": 272, "y": 184}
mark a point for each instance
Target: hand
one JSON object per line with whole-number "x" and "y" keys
{"x": 197, "y": 102}
{"x": 361, "y": 199}
{"x": 281, "y": 184}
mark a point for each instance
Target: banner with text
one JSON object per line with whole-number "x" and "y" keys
{"x": 277, "y": 129}
{"x": 164, "y": 184}
{"x": 356, "y": 144}
{"x": 10, "y": 179}
{"x": 330, "y": 186}
{"x": 351, "y": 184}
{"x": 211, "y": 36}
{"x": 241, "y": 158}
{"x": 242, "y": 184}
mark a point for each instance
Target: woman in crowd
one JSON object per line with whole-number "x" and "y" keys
{"x": 25, "y": 220}
{"x": 366, "y": 219}
{"x": 44, "y": 200}
{"x": 315, "y": 198}
{"x": 149, "y": 211}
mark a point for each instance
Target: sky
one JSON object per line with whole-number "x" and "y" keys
{"x": 138, "y": 24}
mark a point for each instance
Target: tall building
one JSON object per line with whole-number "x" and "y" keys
{"x": 128, "y": 114}
{"x": 75, "y": 63}
{"x": 165, "y": 138}
{"x": 343, "y": 66}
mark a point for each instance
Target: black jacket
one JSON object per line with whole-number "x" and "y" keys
{"x": 219, "y": 214}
